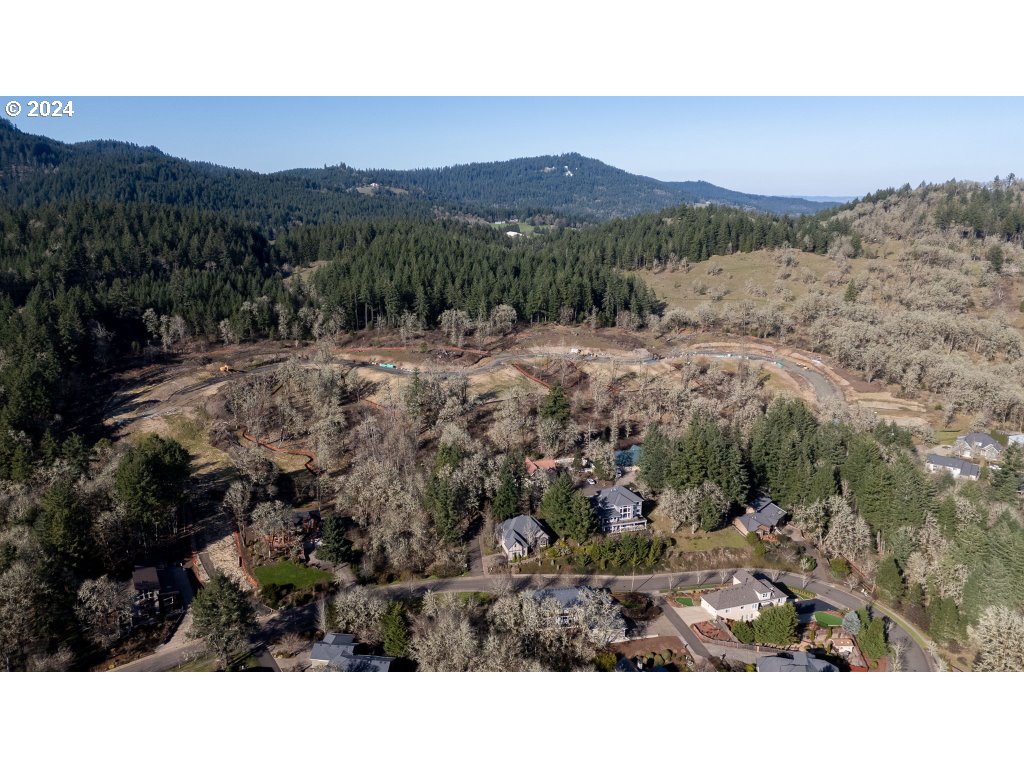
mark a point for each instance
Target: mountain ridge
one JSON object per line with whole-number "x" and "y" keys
{"x": 35, "y": 168}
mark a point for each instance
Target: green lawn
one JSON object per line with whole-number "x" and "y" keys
{"x": 687, "y": 601}
{"x": 827, "y": 619}
{"x": 287, "y": 573}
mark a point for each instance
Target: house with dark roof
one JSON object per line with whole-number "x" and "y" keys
{"x": 977, "y": 445}
{"x": 958, "y": 468}
{"x": 744, "y": 599}
{"x": 618, "y": 509}
{"x": 794, "y": 661}
{"x": 763, "y": 516}
{"x": 520, "y": 536}
{"x": 157, "y": 592}
{"x": 337, "y": 653}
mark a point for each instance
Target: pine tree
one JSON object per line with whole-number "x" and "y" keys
{"x": 222, "y": 617}
{"x": 567, "y": 512}
{"x": 395, "y": 631}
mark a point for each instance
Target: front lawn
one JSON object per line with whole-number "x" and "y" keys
{"x": 285, "y": 573}
{"x": 827, "y": 619}
{"x": 687, "y": 601}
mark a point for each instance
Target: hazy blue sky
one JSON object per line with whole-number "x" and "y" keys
{"x": 812, "y": 146}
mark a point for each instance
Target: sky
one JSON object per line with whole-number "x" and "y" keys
{"x": 778, "y": 146}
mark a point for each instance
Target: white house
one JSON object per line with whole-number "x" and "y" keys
{"x": 958, "y": 468}
{"x": 744, "y": 600}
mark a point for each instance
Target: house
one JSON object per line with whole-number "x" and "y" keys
{"x": 977, "y": 445}
{"x": 762, "y": 517}
{"x": 337, "y": 653}
{"x": 1015, "y": 440}
{"x": 537, "y": 467}
{"x": 156, "y": 592}
{"x": 795, "y": 661}
{"x": 629, "y": 459}
{"x": 618, "y": 509}
{"x": 743, "y": 600}
{"x": 958, "y": 468}
{"x": 519, "y": 536}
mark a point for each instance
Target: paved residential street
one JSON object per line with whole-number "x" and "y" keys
{"x": 916, "y": 658}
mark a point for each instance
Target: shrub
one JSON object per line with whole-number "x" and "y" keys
{"x": 273, "y": 594}
{"x": 776, "y": 625}
{"x": 604, "y": 662}
{"x": 744, "y": 632}
{"x": 840, "y": 567}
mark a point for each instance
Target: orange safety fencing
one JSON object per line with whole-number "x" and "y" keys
{"x": 529, "y": 375}
{"x": 292, "y": 451}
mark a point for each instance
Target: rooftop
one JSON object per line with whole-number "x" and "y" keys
{"x": 522, "y": 529}
{"x": 966, "y": 468}
{"x": 766, "y": 512}
{"x": 980, "y": 438}
{"x": 617, "y": 496}
{"x": 796, "y": 661}
{"x": 743, "y": 593}
{"x": 339, "y": 652}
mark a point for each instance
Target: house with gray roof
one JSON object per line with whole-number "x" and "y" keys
{"x": 794, "y": 661}
{"x": 618, "y": 509}
{"x": 977, "y": 445}
{"x": 744, "y": 599}
{"x": 337, "y": 653}
{"x": 763, "y": 516}
{"x": 520, "y": 536}
{"x": 958, "y": 468}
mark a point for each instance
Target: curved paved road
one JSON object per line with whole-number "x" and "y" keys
{"x": 916, "y": 658}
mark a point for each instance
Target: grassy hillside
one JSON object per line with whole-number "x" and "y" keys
{"x": 932, "y": 303}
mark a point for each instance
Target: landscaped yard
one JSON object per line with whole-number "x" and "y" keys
{"x": 803, "y": 594}
{"x": 286, "y": 573}
{"x": 827, "y": 619}
{"x": 687, "y": 601}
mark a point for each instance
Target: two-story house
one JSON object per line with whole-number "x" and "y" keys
{"x": 743, "y": 600}
{"x": 618, "y": 509}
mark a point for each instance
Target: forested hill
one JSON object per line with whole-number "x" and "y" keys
{"x": 570, "y": 184}
{"x": 35, "y": 170}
